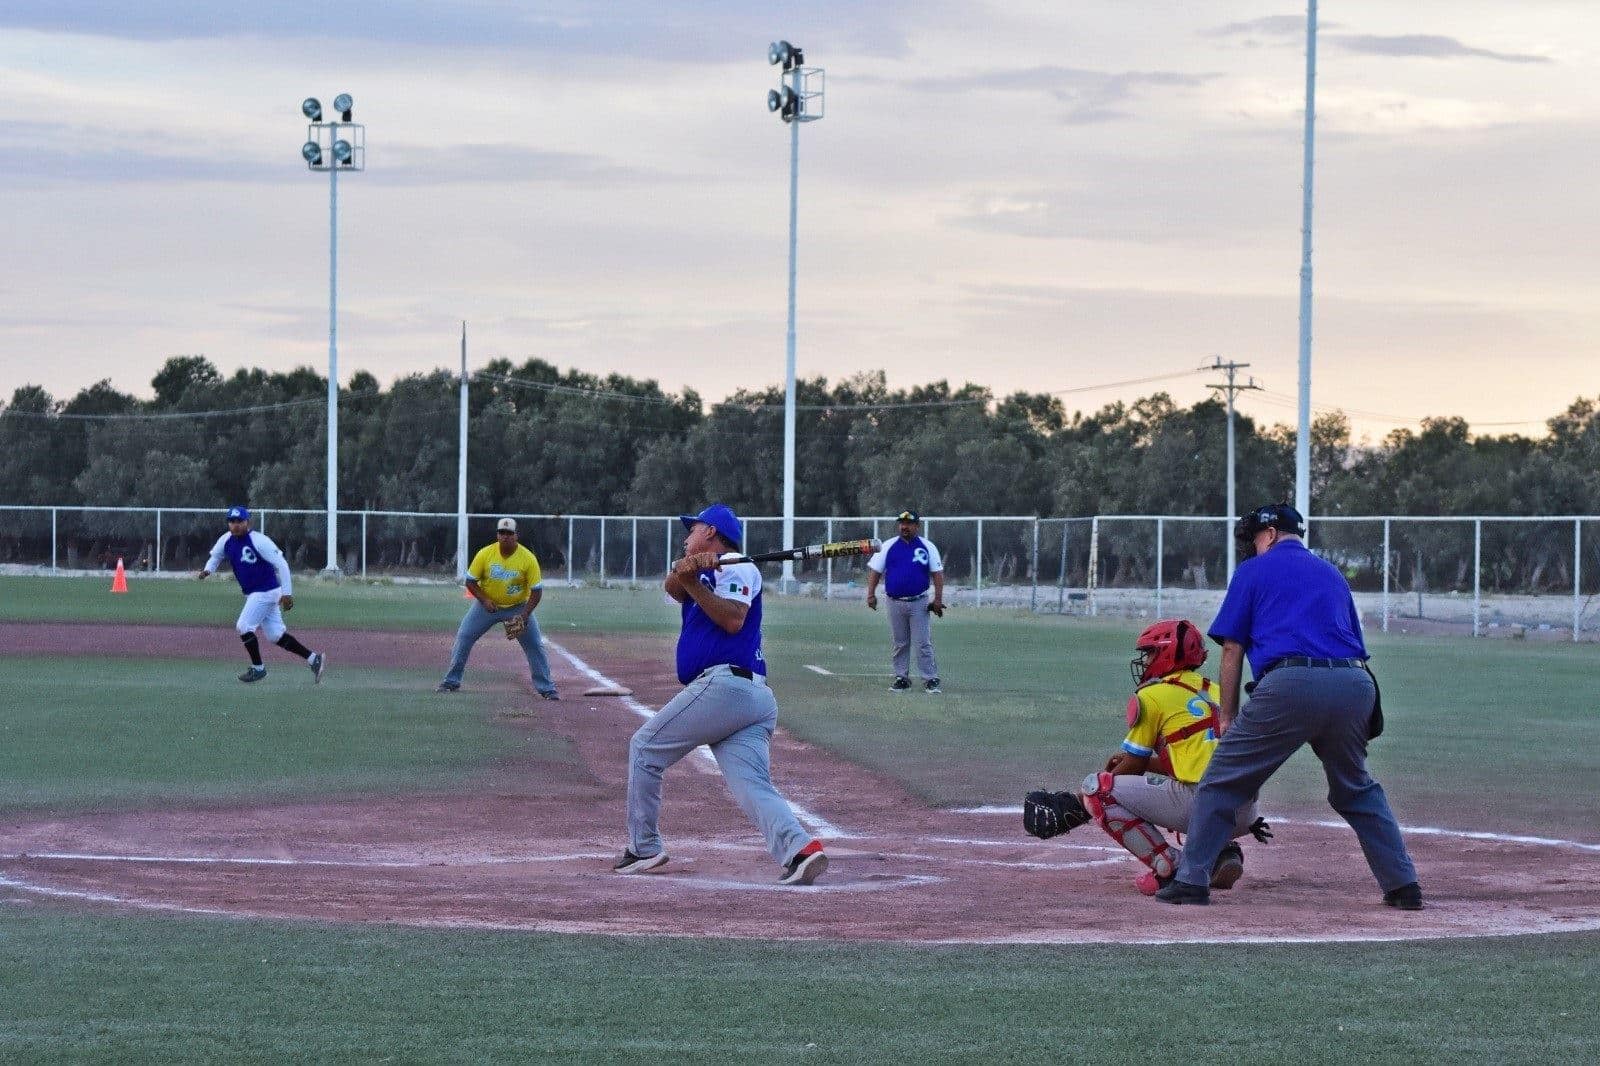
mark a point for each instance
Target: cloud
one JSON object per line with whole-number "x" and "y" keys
{"x": 618, "y": 28}
{"x": 1090, "y": 96}
{"x": 1425, "y": 46}
{"x": 1270, "y": 26}
{"x": 512, "y": 164}
{"x": 1292, "y": 29}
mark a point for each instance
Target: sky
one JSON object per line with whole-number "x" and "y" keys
{"x": 1042, "y": 196}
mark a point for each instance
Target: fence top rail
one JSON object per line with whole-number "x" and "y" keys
{"x": 355, "y": 511}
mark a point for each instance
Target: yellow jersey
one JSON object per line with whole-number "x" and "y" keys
{"x": 506, "y": 581}
{"x": 1175, "y": 715}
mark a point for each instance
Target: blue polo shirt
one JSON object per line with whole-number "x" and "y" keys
{"x": 907, "y": 566}
{"x": 1287, "y": 601}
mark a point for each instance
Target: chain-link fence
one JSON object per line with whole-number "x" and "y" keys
{"x": 1482, "y": 575}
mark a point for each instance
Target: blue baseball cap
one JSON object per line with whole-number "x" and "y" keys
{"x": 720, "y": 517}
{"x": 238, "y": 513}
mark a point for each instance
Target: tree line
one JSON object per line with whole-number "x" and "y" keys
{"x": 544, "y": 440}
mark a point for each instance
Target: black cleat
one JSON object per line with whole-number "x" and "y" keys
{"x": 255, "y": 673}
{"x": 1179, "y": 892}
{"x": 900, "y": 684}
{"x": 1405, "y": 898}
{"x": 1229, "y": 867}
{"x": 630, "y": 863}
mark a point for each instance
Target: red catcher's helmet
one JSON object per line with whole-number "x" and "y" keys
{"x": 1166, "y": 647}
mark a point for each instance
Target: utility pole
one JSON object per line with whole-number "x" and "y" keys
{"x": 1232, "y": 388}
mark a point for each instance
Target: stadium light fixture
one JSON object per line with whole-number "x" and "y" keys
{"x": 798, "y": 98}
{"x": 333, "y": 146}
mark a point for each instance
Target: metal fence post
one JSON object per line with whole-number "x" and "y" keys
{"x": 1061, "y": 574}
{"x": 978, "y": 578}
{"x": 363, "y": 545}
{"x": 1477, "y": 568}
{"x": 1033, "y": 567}
{"x": 633, "y": 556}
{"x": 569, "y": 550}
{"x": 602, "y": 551}
{"x": 1091, "y": 579}
{"x": 1386, "y": 575}
{"x": 827, "y": 581}
{"x": 158, "y": 541}
{"x": 669, "y": 544}
{"x": 53, "y": 539}
{"x": 1161, "y": 553}
{"x": 1577, "y": 577}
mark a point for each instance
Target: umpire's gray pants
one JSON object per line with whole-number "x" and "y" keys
{"x": 736, "y": 718}
{"x": 1295, "y": 705}
{"x": 908, "y": 621}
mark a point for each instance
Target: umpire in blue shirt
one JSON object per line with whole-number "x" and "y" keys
{"x": 1291, "y": 614}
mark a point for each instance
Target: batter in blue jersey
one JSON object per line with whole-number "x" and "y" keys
{"x": 268, "y": 586}
{"x": 725, "y": 704}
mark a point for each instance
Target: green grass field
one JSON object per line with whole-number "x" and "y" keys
{"x": 1027, "y": 700}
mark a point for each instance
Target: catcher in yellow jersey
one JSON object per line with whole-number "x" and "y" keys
{"x": 1149, "y": 784}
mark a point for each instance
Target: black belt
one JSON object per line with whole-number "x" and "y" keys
{"x": 1325, "y": 664}
{"x": 736, "y": 671}
{"x": 909, "y": 599}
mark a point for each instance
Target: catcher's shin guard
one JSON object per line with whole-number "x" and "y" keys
{"x": 1143, "y": 840}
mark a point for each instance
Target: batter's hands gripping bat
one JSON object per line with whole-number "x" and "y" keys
{"x": 836, "y": 550}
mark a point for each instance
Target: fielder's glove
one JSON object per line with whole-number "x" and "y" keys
{"x": 936, "y": 609}
{"x": 1048, "y": 814}
{"x": 516, "y": 627}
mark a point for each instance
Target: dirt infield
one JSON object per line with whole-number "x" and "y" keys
{"x": 533, "y": 851}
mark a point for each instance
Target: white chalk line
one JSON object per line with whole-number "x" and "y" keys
{"x": 360, "y": 864}
{"x": 819, "y": 670}
{"x": 881, "y": 883}
{"x": 813, "y": 821}
{"x": 1414, "y": 830}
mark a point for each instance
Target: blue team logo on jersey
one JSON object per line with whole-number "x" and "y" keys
{"x": 500, "y": 573}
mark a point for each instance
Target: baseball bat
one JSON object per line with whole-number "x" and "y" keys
{"x": 835, "y": 550}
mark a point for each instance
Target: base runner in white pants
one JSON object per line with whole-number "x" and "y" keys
{"x": 268, "y": 588}
{"x": 725, "y": 704}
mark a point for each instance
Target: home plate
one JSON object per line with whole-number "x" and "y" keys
{"x": 608, "y": 690}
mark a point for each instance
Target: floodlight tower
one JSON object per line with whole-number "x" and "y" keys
{"x": 333, "y": 146}
{"x": 798, "y": 98}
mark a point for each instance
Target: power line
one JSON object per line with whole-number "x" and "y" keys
{"x": 1281, "y": 399}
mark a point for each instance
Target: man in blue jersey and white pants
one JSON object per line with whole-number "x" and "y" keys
{"x": 725, "y": 704}
{"x": 268, "y": 588}
{"x": 907, "y": 565}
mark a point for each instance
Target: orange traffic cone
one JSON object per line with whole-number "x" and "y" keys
{"x": 119, "y": 581}
{"x": 466, "y": 593}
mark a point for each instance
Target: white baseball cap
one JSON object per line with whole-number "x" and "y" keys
{"x": 506, "y": 523}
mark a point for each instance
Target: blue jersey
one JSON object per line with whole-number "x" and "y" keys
{"x": 703, "y": 644}
{"x": 907, "y": 566}
{"x": 1287, "y": 601}
{"x": 257, "y": 563}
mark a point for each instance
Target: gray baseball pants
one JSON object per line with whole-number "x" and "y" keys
{"x": 1295, "y": 705}
{"x": 1164, "y": 802}
{"x": 909, "y": 622}
{"x": 736, "y": 718}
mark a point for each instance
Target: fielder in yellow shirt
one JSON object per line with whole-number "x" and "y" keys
{"x": 1172, "y": 731}
{"x": 505, "y": 582}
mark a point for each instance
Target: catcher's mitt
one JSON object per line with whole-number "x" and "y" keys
{"x": 1047, "y": 814}
{"x": 516, "y": 627}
